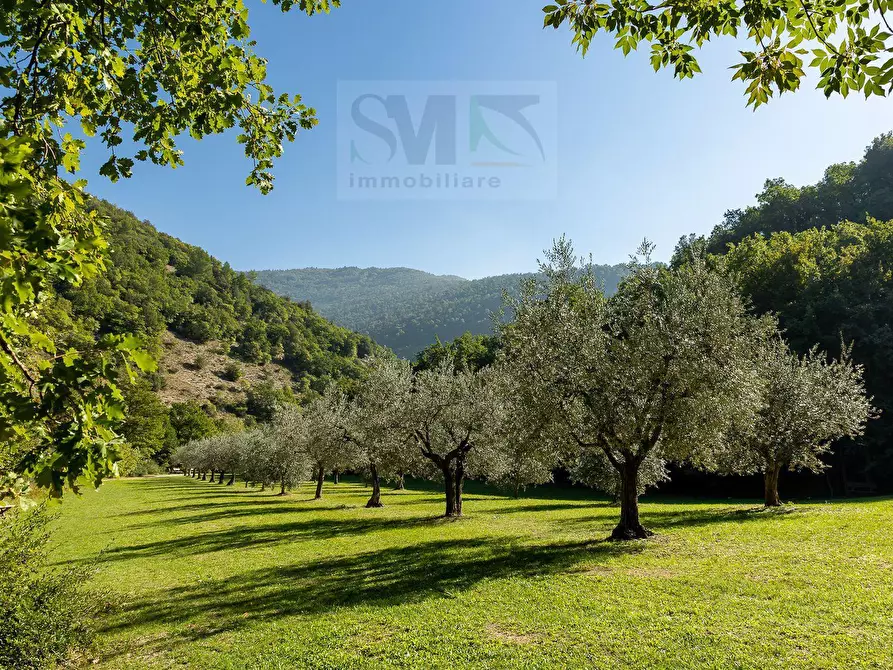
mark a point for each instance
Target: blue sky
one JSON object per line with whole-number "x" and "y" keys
{"x": 639, "y": 154}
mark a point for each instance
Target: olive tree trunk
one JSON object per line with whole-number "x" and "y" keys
{"x": 453, "y": 468}
{"x": 460, "y": 481}
{"x": 375, "y": 500}
{"x": 320, "y": 475}
{"x": 400, "y": 482}
{"x": 336, "y": 477}
{"x": 232, "y": 479}
{"x": 770, "y": 480}
{"x": 630, "y": 527}
{"x": 449, "y": 479}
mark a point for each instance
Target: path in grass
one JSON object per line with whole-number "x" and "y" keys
{"x": 209, "y": 576}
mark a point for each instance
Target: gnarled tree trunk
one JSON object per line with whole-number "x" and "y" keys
{"x": 222, "y": 473}
{"x": 770, "y": 480}
{"x": 320, "y": 475}
{"x": 460, "y": 481}
{"x": 449, "y": 479}
{"x": 232, "y": 479}
{"x": 336, "y": 477}
{"x": 452, "y": 465}
{"x": 629, "y": 528}
{"x": 400, "y": 483}
{"x": 375, "y": 500}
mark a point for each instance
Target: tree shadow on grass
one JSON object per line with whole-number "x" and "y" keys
{"x": 693, "y": 518}
{"x": 237, "y": 508}
{"x": 228, "y": 511}
{"x": 383, "y": 578}
{"x": 201, "y": 495}
{"x": 687, "y": 518}
{"x": 555, "y": 506}
{"x": 257, "y": 535}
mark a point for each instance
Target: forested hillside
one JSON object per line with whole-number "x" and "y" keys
{"x": 404, "y": 309}
{"x": 848, "y": 191}
{"x": 227, "y": 348}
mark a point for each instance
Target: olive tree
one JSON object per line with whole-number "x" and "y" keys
{"x": 452, "y": 416}
{"x": 231, "y": 455}
{"x": 212, "y": 455}
{"x": 287, "y": 452}
{"x": 326, "y": 443}
{"x": 807, "y": 402}
{"x": 186, "y": 457}
{"x": 258, "y": 463}
{"x": 375, "y": 423}
{"x": 660, "y": 369}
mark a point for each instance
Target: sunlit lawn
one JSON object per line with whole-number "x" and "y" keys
{"x": 207, "y": 576}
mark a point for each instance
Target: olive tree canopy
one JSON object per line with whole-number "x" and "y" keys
{"x": 376, "y": 423}
{"x": 453, "y": 413}
{"x": 659, "y": 370}
{"x": 807, "y": 402}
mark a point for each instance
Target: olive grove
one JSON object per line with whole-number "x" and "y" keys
{"x": 671, "y": 368}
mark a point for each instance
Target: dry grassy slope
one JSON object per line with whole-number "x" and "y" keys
{"x": 183, "y": 380}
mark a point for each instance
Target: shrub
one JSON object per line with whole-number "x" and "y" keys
{"x": 157, "y": 381}
{"x": 146, "y": 466}
{"x": 45, "y": 614}
{"x": 200, "y": 362}
{"x": 233, "y": 371}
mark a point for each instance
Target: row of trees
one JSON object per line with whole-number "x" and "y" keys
{"x": 673, "y": 367}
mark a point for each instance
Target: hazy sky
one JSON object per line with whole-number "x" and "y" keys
{"x": 639, "y": 154}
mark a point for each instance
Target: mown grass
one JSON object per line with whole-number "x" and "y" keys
{"x": 213, "y": 577}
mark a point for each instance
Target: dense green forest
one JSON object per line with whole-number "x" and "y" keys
{"x": 179, "y": 298}
{"x": 404, "y": 309}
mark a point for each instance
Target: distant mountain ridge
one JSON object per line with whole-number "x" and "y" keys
{"x": 403, "y": 308}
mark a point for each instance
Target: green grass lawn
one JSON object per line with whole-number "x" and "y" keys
{"x": 207, "y": 576}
